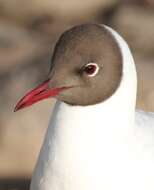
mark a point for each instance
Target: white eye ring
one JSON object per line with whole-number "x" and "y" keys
{"x": 91, "y": 71}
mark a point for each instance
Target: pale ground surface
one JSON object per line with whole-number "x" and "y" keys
{"x": 26, "y": 44}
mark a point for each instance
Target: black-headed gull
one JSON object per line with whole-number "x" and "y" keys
{"x": 94, "y": 140}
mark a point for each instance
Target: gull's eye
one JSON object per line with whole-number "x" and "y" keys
{"x": 91, "y": 69}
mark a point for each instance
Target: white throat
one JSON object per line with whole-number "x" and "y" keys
{"x": 80, "y": 140}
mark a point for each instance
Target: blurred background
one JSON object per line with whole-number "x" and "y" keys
{"x": 28, "y": 32}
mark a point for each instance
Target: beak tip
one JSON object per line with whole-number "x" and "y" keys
{"x": 16, "y": 109}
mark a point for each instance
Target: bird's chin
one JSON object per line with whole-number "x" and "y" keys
{"x": 68, "y": 98}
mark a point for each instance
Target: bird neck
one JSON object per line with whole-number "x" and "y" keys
{"x": 80, "y": 141}
{"x": 113, "y": 115}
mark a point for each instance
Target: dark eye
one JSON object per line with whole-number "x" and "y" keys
{"x": 91, "y": 69}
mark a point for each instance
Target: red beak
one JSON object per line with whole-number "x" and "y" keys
{"x": 39, "y": 93}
